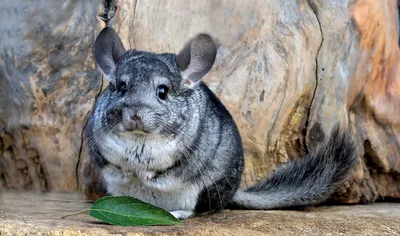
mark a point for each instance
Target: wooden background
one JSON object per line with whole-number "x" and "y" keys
{"x": 286, "y": 70}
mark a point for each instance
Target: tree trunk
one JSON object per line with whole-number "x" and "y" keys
{"x": 288, "y": 71}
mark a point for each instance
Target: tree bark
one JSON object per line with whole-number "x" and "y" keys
{"x": 288, "y": 71}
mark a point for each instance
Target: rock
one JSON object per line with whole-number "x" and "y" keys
{"x": 19, "y": 216}
{"x": 48, "y": 87}
{"x": 358, "y": 84}
{"x": 286, "y": 70}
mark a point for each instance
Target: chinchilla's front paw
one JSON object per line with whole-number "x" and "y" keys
{"x": 151, "y": 180}
{"x": 182, "y": 214}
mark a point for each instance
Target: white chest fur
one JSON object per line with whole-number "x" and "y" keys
{"x": 134, "y": 163}
{"x": 149, "y": 153}
{"x": 166, "y": 192}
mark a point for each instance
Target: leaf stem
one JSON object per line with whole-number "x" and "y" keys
{"x": 73, "y": 214}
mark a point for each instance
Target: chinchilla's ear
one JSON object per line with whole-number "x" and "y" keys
{"x": 108, "y": 49}
{"x": 196, "y": 59}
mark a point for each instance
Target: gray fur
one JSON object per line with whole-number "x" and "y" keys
{"x": 309, "y": 181}
{"x": 183, "y": 152}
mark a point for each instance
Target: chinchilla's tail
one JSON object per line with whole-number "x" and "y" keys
{"x": 309, "y": 181}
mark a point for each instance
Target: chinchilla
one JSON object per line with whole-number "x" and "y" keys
{"x": 159, "y": 134}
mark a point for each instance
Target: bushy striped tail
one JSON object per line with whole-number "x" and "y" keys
{"x": 305, "y": 182}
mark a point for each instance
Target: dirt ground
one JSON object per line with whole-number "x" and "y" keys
{"x": 40, "y": 214}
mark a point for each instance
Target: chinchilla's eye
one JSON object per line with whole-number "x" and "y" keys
{"x": 162, "y": 92}
{"x": 121, "y": 86}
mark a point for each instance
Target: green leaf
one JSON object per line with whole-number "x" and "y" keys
{"x": 129, "y": 211}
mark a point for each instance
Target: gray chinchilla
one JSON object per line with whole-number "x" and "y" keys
{"x": 158, "y": 133}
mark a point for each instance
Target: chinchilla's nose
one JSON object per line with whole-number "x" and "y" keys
{"x": 136, "y": 118}
{"x": 132, "y": 120}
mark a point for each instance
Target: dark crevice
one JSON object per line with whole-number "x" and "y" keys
{"x": 314, "y": 9}
{"x": 371, "y": 159}
{"x": 41, "y": 174}
{"x": 387, "y": 199}
{"x": 2, "y": 180}
{"x": 109, "y": 11}
{"x": 79, "y": 157}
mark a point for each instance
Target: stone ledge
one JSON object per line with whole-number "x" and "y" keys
{"x": 39, "y": 214}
